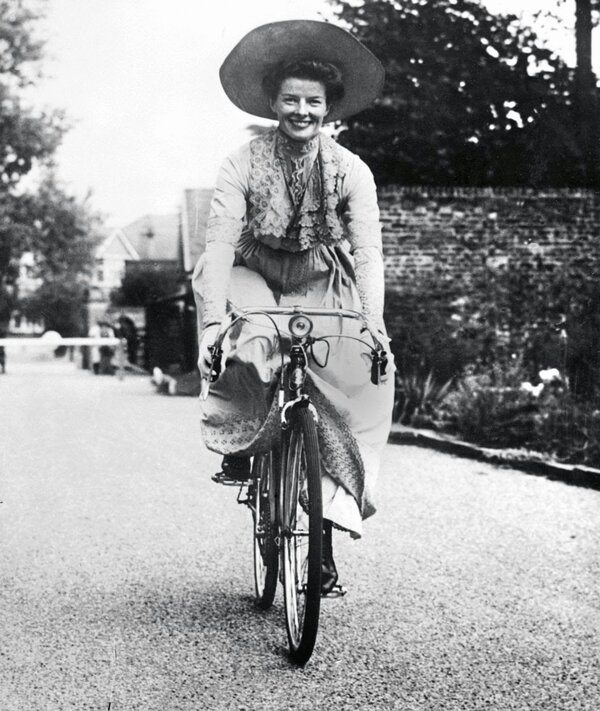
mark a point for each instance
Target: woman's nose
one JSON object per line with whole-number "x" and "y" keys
{"x": 302, "y": 107}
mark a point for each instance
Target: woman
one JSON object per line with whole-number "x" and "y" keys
{"x": 294, "y": 220}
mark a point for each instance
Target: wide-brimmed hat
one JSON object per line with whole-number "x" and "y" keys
{"x": 262, "y": 49}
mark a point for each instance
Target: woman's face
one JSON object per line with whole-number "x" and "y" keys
{"x": 300, "y": 106}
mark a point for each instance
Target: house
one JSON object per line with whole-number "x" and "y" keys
{"x": 171, "y": 322}
{"x": 151, "y": 241}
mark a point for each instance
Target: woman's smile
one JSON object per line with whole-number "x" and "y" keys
{"x": 301, "y": 106}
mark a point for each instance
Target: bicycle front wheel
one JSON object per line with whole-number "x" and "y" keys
{"x": 301, "y": 533}
{"x": 262, "y": 503}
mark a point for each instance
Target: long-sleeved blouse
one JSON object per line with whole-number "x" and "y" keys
{"x": 292, "y": 199}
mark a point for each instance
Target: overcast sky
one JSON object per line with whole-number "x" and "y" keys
{"x": 139, "y": 81}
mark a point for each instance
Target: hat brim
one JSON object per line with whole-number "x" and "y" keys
{"x": 265, "y": 47}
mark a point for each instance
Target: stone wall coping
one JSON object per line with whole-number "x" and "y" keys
{"x": 522, "y": 460}
{"x": 486, "y": 192}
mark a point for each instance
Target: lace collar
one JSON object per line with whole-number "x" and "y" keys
{"x": 271, "y": 210}
{"x": 295, "y": 149}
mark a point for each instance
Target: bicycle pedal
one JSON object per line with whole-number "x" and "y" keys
{"x": 336, "y": 591}
{"x": 222, "y": 478}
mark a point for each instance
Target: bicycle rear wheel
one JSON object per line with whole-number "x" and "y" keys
{"x": 301, "y": 534}
{"x": 262, "y": 503}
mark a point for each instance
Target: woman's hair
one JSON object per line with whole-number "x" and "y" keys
{"x": 328, "y": 74}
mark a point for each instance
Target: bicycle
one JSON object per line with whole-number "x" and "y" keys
{"x": 284, "y": 493}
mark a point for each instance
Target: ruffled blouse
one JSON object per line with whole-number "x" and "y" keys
{"x": 293, "y": 197}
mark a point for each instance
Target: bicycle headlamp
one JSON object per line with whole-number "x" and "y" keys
{"x": 300, "y": 326}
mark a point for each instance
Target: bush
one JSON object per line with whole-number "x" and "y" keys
{"x": 61, "y": 306}
{"x": 417, "y": 398}
{"x": 490, "y": 408}
{"x": 498, "y": 409}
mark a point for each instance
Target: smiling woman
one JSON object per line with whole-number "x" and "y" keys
{"x": 294, "y": 221}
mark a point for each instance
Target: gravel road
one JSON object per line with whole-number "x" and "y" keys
{"x": 127, "y": 580}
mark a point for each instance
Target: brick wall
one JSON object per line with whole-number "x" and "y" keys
{"x": 459, "y": 233}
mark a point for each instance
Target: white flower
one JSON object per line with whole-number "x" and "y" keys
{"x": 534, "y": 390}
{"x": 550, "y": 375}
{"x": 459, "y": 303}
{"x": 157, "y": 376}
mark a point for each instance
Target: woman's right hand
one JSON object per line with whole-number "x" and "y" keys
{"x": 207, "y": 339}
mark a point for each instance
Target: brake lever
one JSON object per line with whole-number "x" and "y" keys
{"x": 379, "y": 362}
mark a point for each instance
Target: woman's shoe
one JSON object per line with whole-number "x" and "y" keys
{"x": 329, "y": 574}
{"x": 236, "y": 468}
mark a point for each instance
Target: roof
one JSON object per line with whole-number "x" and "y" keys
{"x": 194, "y": 217}
{"x": 155, "y": 237}
{"x": 116, "y": 245}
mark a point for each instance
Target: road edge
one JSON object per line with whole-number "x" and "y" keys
{"x": 528, "y": 462}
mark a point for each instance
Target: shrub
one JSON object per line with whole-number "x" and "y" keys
{"x": 417, "y": 398}
{"x": 490, "y": 408}
{"x": 497, "y": 409}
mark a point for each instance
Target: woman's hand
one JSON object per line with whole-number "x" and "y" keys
{"x": 379, "y": 330}
{"x": 207, "y": 339}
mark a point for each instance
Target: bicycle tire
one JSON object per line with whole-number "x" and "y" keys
{"x": 301, "y": 533}
{"x": 266, "y": 555}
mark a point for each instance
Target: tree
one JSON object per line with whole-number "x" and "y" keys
{"x": 62, "y": 306}
{"x": 586, "y": 92}
{"x": 144, "y": 286}
{"x": 469, "y": 98}
{"x": 61, "y": 232}
{"x": 27, "y": 136}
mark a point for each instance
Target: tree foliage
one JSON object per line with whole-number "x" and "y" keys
{"x": 61, "y": 232}
{"x": 56, "y": 228}
{"x": 26, "y": 134}
{"x": 59, "y": 229}
{"x": 469, "y": 99}
{"x": 144, "y": 286}
{"x": 61, "y": 305}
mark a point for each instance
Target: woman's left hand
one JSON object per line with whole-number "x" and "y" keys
{"x": 382, "y": 336}
{"x": 207, "y": 339}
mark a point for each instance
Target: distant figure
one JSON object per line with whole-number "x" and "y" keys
{"x": 128, "y": 331}
{"x": 2, "y": 352}
{"x": 101, "y": 356}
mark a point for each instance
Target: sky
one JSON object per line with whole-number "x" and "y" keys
{"x": 139, "y": 82}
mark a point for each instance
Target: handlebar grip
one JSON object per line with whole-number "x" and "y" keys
{"x": 215, "y": 365}
{"x": 375, "y": 368}
{"x": 383, "y": 362}
{"x": 379, "y": 362}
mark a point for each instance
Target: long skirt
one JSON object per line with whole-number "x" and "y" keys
{"x": 240, "y": 415}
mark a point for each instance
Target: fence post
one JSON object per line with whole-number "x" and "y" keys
{"x": 121, "y": 358}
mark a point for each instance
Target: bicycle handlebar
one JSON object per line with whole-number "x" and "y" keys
{"x": 378, "y": 353}
{"x": 239, "y": 313}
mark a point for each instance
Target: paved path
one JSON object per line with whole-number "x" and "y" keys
{"x": 126, "y": 574}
